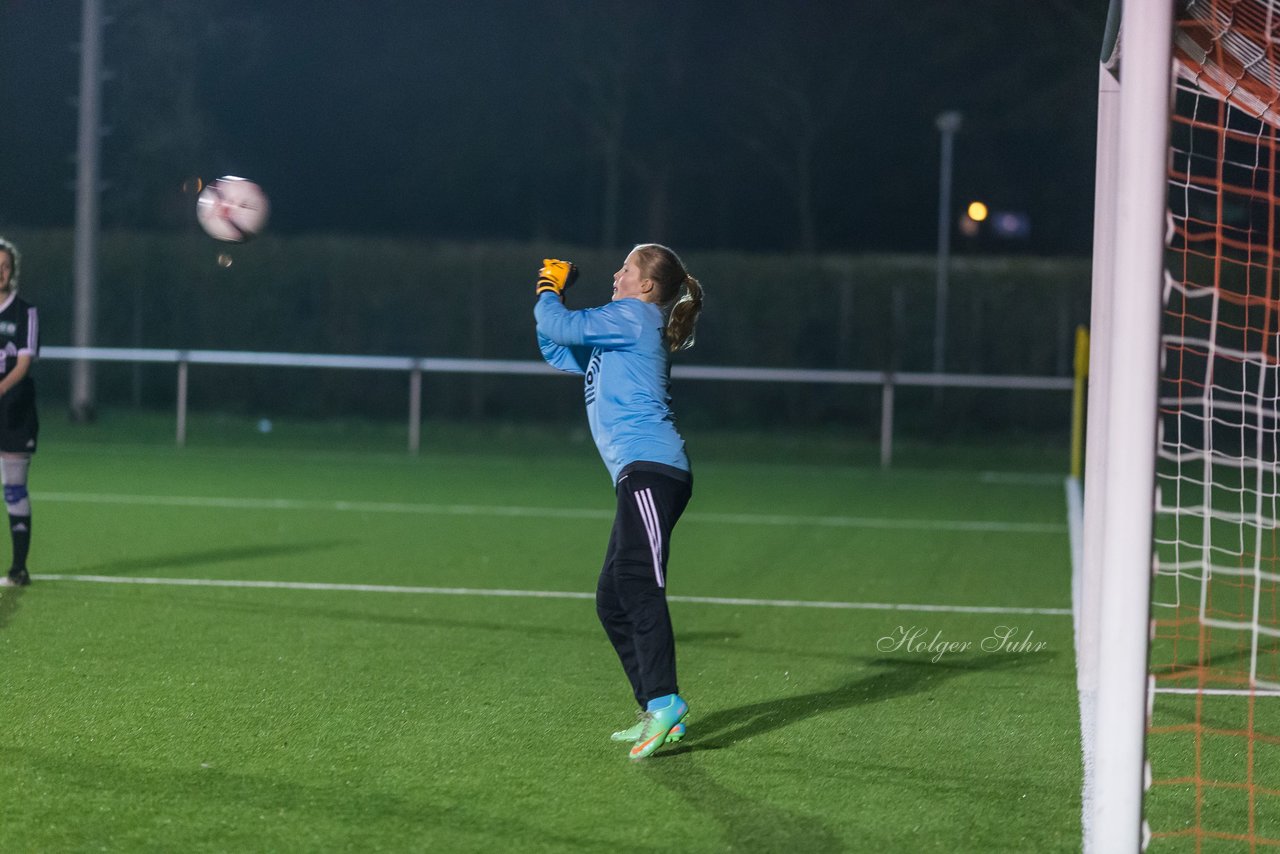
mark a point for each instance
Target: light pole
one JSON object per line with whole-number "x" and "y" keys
{"x": 86, "y": 243}
{"x": 948, "y": 123}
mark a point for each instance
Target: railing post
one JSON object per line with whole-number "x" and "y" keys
{"x": 415, "y": 409}
{"x": 886, "y": 422}
{"x": 182, "y": 400}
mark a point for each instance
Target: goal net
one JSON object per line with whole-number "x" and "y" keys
{"x": 1213, "y": 736}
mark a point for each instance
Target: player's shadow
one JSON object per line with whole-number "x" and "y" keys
{"x": 10, "y": 601}
{"x": 725, "y": 728}
{"x": 748, "y": 824}
{"x": 204, "y": 557}
{"x": 173, "y": 791}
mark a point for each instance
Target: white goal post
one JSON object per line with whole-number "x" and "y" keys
{"x": 1124, "y": 367}
{"x": 1178, "y": 588}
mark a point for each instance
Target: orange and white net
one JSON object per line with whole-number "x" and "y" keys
{"x": 1213, "y": 741}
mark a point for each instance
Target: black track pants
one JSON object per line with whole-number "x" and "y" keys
{"x": 631, "y": 597}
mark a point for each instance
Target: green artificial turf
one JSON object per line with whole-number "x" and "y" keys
{"x": 158, "y": 717}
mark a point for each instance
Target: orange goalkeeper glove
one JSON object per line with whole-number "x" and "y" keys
{"x": 556, "y": 276}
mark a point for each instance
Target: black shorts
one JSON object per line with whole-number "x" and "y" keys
{"x": 19, "y": 424}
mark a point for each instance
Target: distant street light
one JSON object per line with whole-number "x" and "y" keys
{"x": 948, "y": 124}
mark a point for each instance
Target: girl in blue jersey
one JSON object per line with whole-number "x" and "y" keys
{"x": 624, "y": 351}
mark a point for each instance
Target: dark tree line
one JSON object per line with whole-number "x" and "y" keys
{"x": 804, "y": 126}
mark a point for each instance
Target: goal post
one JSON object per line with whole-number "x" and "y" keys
{"x": 1086, "y": 576}
{"x": 1130, "y": 307}
{"x": 1178, "y": 595}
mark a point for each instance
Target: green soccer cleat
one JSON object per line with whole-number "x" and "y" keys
{"x": 632, "y": 733}
{"x": 657, "y": 725}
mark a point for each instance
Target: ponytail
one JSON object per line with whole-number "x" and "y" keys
{"x": 684, "y": 315}
{"x": 679, "y": 294}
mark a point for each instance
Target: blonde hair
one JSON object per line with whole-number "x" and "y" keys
{"x": 6, "y": 246}
{"x": 679, "y": 294}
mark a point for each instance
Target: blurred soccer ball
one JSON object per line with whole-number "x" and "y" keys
{"x": 232, "y": 209}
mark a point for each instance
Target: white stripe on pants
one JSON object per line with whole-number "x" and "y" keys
{"x": 649, "y": 513}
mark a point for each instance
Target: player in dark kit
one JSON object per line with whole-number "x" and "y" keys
{"x": 19, "y": 426}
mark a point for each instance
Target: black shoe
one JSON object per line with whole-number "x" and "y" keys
{"x": 16, "y": 578}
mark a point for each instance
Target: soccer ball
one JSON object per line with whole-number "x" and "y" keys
{"x": 232, "y": 209}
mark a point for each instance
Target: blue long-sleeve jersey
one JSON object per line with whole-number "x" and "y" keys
{"x": 619, "y": 348}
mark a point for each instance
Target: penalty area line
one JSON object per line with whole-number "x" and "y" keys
{"x": 543, "y": 594}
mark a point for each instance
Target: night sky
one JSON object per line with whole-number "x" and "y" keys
{"x": 769, "y": 126}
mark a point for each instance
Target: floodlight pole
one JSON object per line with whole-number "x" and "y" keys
{"x": 85, "y": 262}
{"x": 948, "y": 124}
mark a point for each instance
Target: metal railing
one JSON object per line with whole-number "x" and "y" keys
{"x": 415, "y": 367}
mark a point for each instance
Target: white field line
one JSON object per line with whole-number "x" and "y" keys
{"x": 975, "y": 526}
{"x": 543, "y": 594}
{"x": 1220, "y": 692}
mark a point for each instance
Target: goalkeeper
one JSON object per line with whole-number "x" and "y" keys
{"x": 624, "y": 351}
